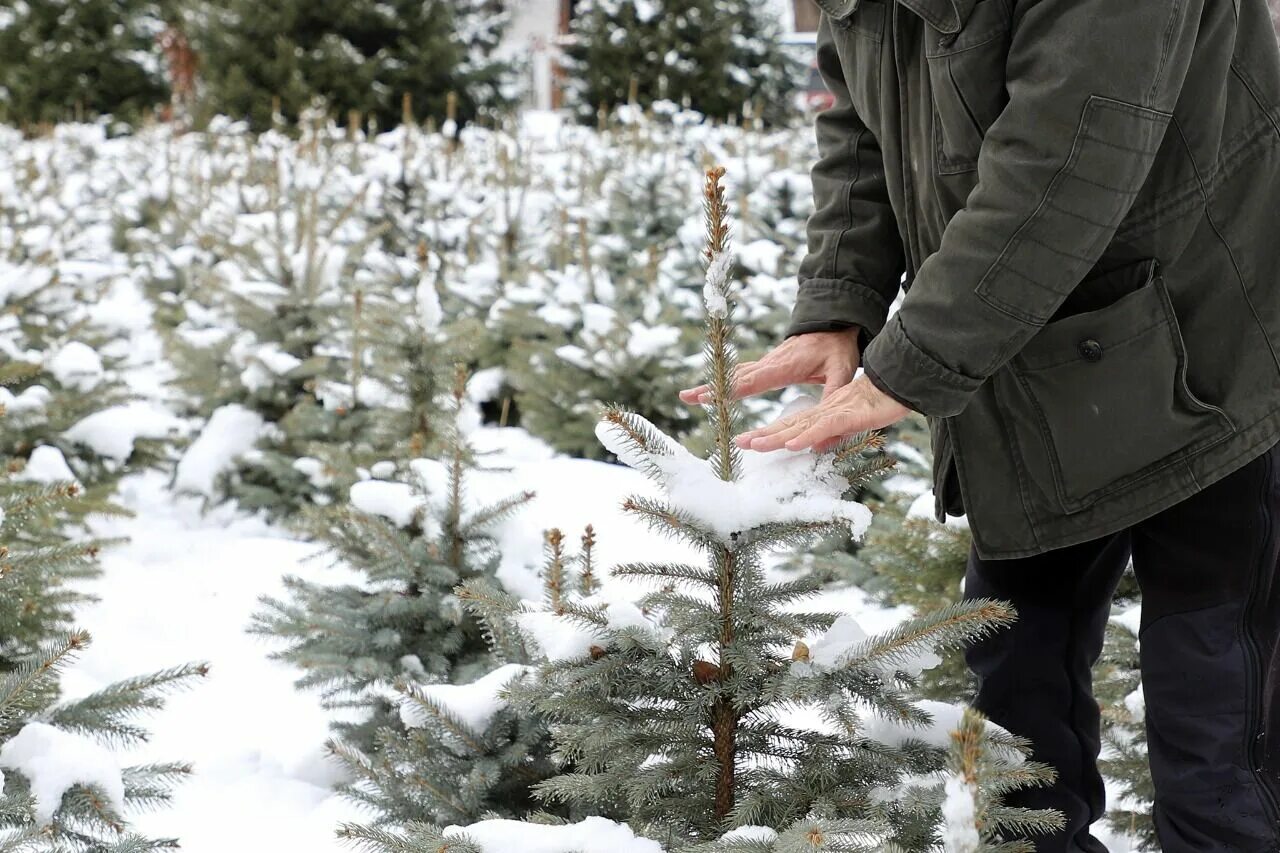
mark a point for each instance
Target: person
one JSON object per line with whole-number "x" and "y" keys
{"x": 1077, "y": 199}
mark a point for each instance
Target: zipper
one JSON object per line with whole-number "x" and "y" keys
{"x": 1253, "y": 756}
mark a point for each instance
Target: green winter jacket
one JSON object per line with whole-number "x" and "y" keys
{"x": 1081, "y": 199}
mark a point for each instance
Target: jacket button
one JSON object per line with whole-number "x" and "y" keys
{"x": 1090, "y": 350}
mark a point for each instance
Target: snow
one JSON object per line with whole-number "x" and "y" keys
{"x": 76, "y": 365}
{"x": 47, "y": 465}
{"x": 781, "y": 486}
{"x": 592, "y": 835}
{"x": 183, "y": 589}
{"x": 232, "y": 429}
{"x": 55, "y": 761}
{"x": 959, "y": 817}
{"x": 430, "y": 314}
{"x": 945, "y": 718}
{"x": 922, "y": 507}
{"x": 394, "y": 501}
{"x": 751, "y": 833}
{"x": 1130, "y": 619}
{"x": 113, "y": 432}
{"x": 559, "y": 639}
{"x": 32, "y": 399}
{"x": 474, "y": 704}
{"x": 716, "y": 288}
{"x": 1136, "y": 703}
{"x": 844, "y": 639}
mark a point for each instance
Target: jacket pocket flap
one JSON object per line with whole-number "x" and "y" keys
{"x": 838, "y": 9}
{"x": 1135, "y": 306}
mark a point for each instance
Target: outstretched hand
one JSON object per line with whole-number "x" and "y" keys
{"x": 827, "y": 358}
{"x": 856, "y": 407}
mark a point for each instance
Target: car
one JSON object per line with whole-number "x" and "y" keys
{"x": 812, "y": 94}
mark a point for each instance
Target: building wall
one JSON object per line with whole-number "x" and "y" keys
{"x": 531, "y": 40}
{"x": 806, "y": 16}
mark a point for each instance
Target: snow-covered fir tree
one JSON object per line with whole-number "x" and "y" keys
{"x": 912, "y": 560}
{"x": 609, "y": 355}
{"x": 716, "y": 711}
{"x": 982, "y": 765}
{"x": 63, "y": 785}
{"x": 464, "y": 750}
{"x": 71, "y": 417}
{"x": 401, "y": 630}
{"x": 60, "y": 61}
{"x": 1118, "y": 686}
{"x": 364, "y": 57}
{"x": 717, "y": 54}
{"x": 321, "y": 346}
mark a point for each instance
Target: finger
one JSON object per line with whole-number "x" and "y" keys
{"x": 774, "y": 426}
{"x": 777, "y": 440}
{"x": 693, "y": 395}
{"x": 835, "y": 426}
{"x": 702, "y": 393}
{"x": 765, "y": 377}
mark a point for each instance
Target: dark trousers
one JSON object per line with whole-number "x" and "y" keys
{"x": 1210, "y": 658}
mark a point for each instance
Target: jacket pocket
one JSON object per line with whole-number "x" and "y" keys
{"x": 967, "y": 79}
{"x": 1101, "y": 397}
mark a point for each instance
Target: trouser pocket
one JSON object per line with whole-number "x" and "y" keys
{"x": 1100, "y": 398}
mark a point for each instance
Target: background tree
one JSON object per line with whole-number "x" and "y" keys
{"x": 363, "y": 56}
{"x": 716, "y": 54}
{"x": 63, "y": 59}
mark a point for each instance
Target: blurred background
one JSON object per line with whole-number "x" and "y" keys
{"x": 140, "y": 60}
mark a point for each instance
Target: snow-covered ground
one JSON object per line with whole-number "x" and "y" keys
{"x": 183, "y": 589}
{"x": 185, "y": 584}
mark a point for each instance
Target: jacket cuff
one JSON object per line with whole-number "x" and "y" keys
{"x": 829, "y": 305}
{"x": 914, "y": 378}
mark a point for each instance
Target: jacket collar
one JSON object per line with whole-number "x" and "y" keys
{"x": 946, "y": 16}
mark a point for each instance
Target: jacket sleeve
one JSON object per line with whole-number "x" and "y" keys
{"x": 855, "y": 261}
{"x": 1092, "y": 86}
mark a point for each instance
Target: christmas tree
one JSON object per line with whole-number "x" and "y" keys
{"x": 402, "y": 633}
{"x": 913, "y": 560}
{"x": 464, "y": 751}
{"x": 362, "y": 57}
{"x": 325, "y": 344}
{"x": 715, "y": 706}
{"x": 64, "y": 787}
{"x": 716, "y": 54}
{"x": 76, "y": 60}
{"x": 1118, "y": 686}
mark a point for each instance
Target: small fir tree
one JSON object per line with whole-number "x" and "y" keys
{"x": 914, "y": 561}
{"x": 983, "y": 765}
{"x": 1118, "y": 680}
{"x": 38, "y": 729}
{"x": 337, "y": 345}
{"x": 414, "y": 541}
{"x": 683, "y": 713}
{"x": 464, "y": 751}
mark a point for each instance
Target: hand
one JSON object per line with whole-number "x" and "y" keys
{"x": 829, "y": 358}
{"x": 856, "y": 407}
